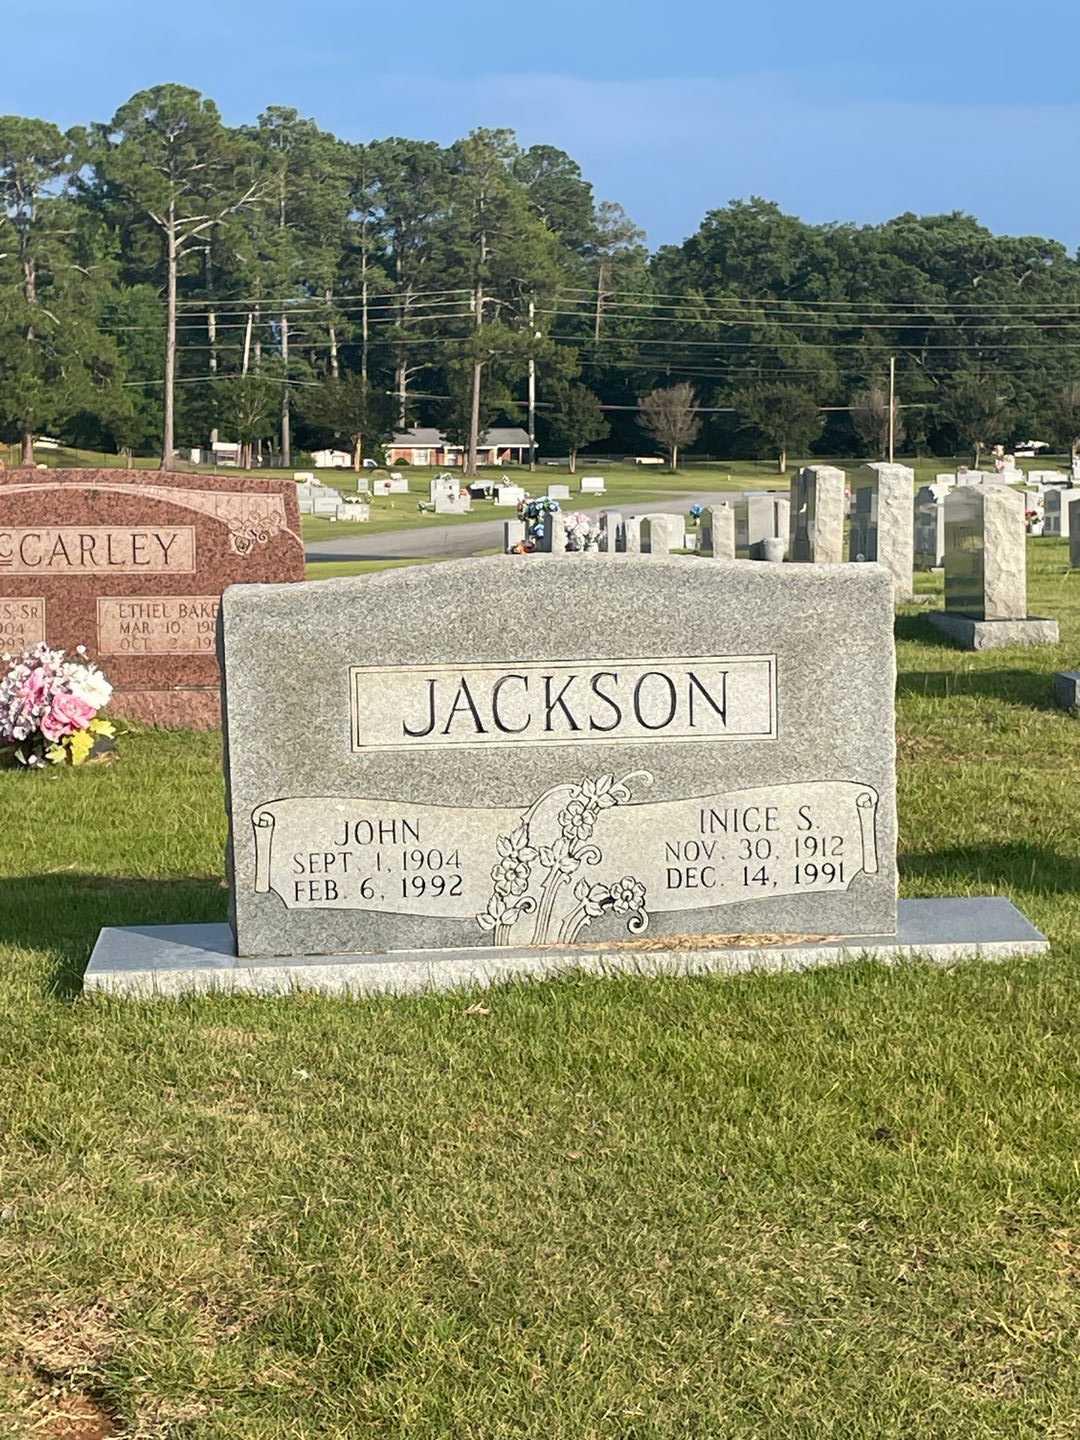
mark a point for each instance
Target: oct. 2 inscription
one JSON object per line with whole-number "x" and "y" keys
{"x": 157, "y": 624}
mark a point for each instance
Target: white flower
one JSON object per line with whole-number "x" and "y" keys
{"x": 88, "y": 685}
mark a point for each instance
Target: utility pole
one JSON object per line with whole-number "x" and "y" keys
{"x": 892, "y": 408}
{"x": 532, "y": 386}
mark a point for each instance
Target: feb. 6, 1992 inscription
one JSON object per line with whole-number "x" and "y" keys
{"x": 595, "y": 847}
{"x": 409, "y": 707}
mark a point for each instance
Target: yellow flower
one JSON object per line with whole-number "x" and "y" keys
{"x": 80, "y": 744}
{"x": 102, "y": 727}
{"x": 56, "y": 754}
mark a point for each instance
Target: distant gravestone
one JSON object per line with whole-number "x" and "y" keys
{"x": 1057, "y": 502}
{"x": 817, "y": 515}
{"x": 986, "y": 572}
{"x": 929, "y": 526}
{"x": 882, "y": 525}
{"x": 592, "y": 485}
{"x": 445, "y": 487}
{"x": 611, "y": 538}
{"x": 453, "y": 504}
{"x": 717, "y": 532}
{"x": 662, "y": 533}
{"x": 760, "y": 515}
{"x": 552, "y": 537}
{"x": 509, "y": 494}
{"x": 132, "y": 564}
{"x": 558, "y": 492}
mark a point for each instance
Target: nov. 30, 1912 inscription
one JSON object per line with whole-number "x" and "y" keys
{"x": 595, "y": 846}
{"x": 581, "y": 850}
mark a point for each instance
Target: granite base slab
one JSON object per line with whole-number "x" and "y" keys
{"x": 971, "y": 634}
{"x": 169, "y": 960}
{"x": 1067, "y": 689}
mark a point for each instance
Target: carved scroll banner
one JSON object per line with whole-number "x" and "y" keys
{"x": 595, "y": 847}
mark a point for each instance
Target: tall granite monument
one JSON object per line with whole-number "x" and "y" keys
{"x": 644, "y": 763}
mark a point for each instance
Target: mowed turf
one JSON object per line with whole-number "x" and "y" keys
{"x": 839, "y": 1204}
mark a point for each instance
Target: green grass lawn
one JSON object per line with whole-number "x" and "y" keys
{"x": 843, "y": 1204}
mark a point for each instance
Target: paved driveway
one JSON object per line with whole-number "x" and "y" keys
{"x": 458, "y": 541}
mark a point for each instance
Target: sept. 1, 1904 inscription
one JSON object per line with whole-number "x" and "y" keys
{"x": 538, "y": 876}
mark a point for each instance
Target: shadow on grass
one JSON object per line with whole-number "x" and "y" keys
{"x": 918, "y": 628}
{"x": 1010, "y": 866}
{"x": 1018, "y": 687}
{"x": 63, "y": 912}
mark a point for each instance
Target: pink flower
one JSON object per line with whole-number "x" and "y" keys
{"x": 66, "y": 715}
{"x": 35, "y": 687}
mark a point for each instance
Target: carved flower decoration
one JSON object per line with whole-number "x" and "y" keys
{"x": 576, "y": 821}
{"x": 627, "y": 894}
{"x": 603, "y": 792}
{"x": 510, "y": 877}
{"x": 593, "y": 899}
{"x": 558, "y": 857}
{"x": 498, "y": 912}
{"x": 512, "y": 870}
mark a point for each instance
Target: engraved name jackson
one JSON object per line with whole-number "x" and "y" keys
{"x": 595, "y": 847}
{"x": 408, "y": 707}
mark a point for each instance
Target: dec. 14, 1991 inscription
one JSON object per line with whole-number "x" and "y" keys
{"x": 593, "y": 846}
{"x": 581, "y": 850}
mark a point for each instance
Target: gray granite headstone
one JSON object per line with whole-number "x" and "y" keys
{"x": 632, "y": 535}
{"x": 1056, "y": 502}
{"x": 929, "y": 525}
{"x": 760, "y": 515}
{"x": 985, "y": 553}
{"x": 632, "y": 749}
{"x": 1074, "y": 535}
{"x": 552, "y": 537}
{"x": 717, "y": 532}
{"x": 513, "y": 534}
{"x": 661, "y": 533}
{"x": 882, "y": 523}
{"x": 610, "y": 528}
{"x": 818, "y": 504}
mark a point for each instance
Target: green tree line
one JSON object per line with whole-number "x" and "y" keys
{"x": 165, "y": 277}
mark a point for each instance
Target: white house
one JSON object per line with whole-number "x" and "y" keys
{"x": 331, "y": 459}
{"x": 508, "y": 445}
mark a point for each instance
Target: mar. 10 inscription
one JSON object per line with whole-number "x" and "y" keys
{"x": 22, "y": 623}
{"x": 157, "y": 624}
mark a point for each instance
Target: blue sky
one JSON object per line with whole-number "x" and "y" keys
{"x": 843, "y": 110}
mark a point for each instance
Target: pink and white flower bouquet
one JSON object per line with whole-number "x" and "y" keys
{"x": 50, "y": 708}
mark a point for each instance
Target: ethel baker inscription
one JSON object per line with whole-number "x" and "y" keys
{"x": 446, "y": 778}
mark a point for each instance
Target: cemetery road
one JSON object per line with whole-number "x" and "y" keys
{"x": 460, "y": 541}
